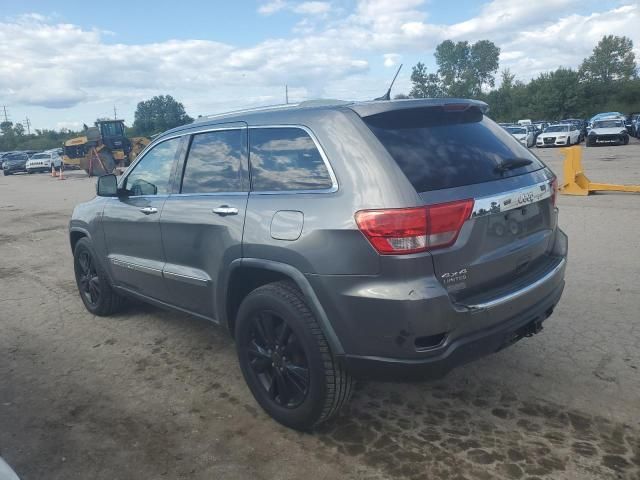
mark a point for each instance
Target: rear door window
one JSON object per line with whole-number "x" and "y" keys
{"x": 286, "y": 159}
{"x": 439, "y": 149}
{"x": 214, "y": 162}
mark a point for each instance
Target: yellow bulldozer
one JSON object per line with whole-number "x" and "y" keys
{"x": 103, "y": 148}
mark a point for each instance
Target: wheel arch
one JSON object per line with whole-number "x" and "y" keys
{"x": 247, "y": 274}
{"x": 75, "y": 234}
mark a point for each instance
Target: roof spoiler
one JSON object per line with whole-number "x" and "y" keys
{"x": 367, "y": 109}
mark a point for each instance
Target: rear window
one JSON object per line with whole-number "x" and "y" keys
{"x": 437, "y": 149}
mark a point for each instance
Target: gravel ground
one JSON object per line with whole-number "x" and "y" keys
{"x": 152, "y": 394}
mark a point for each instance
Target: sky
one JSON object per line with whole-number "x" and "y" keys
{"x": 65, "y": 63}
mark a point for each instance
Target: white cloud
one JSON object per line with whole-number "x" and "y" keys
{"x": 304, "y": 8}
{"x": 312, "y": 8}
{"x": 391, "y": 59}
{"x": 272, "y": 7}
{"x": 329, "y": 52}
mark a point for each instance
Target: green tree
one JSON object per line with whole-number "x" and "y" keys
{"x": 8, "y": 139}
{"x": 464, "y": 69}
{"x": 612, "y": 59}
{"x": 158, "y": 114}
{"x": 424, "y": 84}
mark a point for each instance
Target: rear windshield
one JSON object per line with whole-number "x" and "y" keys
{"x": 607, "y": 124}
{"x": 437, "y": 149}
{"x": 516, "y": 130}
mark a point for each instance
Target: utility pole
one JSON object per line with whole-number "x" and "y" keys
{"x": 6, "y": 116}
{"x": 115, "y": 113}
{"x": 286, "y": 93}
{"x": 27, "y": 122}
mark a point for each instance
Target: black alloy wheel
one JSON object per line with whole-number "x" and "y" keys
{"x": 278, "y": 360}
{"x": 286, "y": 359}
{"x": 93, "y": 284}
{"x": 88, "y": 279}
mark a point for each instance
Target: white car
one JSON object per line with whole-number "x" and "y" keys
{"x": 524, "y": 135}
{"x": 559, "y": 135}
{"x": 608, "y": 131}
{"x": 41, "y": 162}
{"x": 6, "y": 473}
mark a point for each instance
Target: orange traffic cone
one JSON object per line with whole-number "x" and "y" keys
{"x": 61, "y": 176}
{"x": 53, "y": 170}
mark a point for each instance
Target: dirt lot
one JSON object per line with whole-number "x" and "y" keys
{"x": 151, "y": 394}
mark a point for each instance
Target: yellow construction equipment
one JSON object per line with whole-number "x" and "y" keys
{"x": 103, "y": 148}
{"x": 575, "y": 182}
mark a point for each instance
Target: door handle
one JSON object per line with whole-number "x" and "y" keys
{"x": 149, "y": 210}
{"x": 225, "y": 210}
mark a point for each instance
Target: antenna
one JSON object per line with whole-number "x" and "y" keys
{"x": 27, "y": 122}
{"x": 387, "y": 96}
{"x": 6, "y": 116}
{"x": 286, "y": 94}
{"x": 115, "y": 113}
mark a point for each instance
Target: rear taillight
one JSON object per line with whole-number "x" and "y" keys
{"x": 410, "y": 230}
{"x": 554, "y": 191}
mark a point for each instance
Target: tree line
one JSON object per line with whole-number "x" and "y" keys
{"x": 607, "y": 80}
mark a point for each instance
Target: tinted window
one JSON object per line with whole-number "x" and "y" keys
{"x": 286, "y": 159}
{"x": 437, "y": 149}
{"x": 152, "y": 174}
{"x": 213, "y": 163}
{"x": 42, "y": 155}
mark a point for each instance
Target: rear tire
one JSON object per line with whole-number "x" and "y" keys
{"x": 305, "y": 389}
{"x": 94, "y": 286}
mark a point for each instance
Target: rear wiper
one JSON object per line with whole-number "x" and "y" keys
{"x": 511, "y": 164}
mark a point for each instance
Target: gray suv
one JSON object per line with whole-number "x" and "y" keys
{"x": 383, "y": 239}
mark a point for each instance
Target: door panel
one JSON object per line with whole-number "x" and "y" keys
{"x": 199, "y": 245}
{"x": 131, "y": 221}
{"x": 134, "y": 243}
{"x": 202, "y": 224}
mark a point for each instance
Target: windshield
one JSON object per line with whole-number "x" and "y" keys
{"x": 516, "y": 131}
{"x": 436, "y": 149}
{"x": 41, "y": 155}
{"x": 112, "y": 129}
{"x": 556, "y": 128}
{"x": 607, "y": 124}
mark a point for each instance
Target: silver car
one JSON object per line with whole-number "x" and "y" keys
{"x": 334, "y": 241}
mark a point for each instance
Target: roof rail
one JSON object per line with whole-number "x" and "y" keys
{"x": 205, "y": 118}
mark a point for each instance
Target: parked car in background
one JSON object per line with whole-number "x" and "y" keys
{"x": 580, "y": 124}
{"x": 540, "y": 126}
{"x": 523, "y": 134}
{"x": 636, "y": 124}
{"x": 6, "y": 472}
{"x": 416, "y": 237}
{"x": 610, "y": 131}
{"x": 600, "y": 116}
{"x": 15, "y": 162}
{"x": 564, "y": 135}
{"x": 524, "y": 122}
{"x": 41, "y": 162}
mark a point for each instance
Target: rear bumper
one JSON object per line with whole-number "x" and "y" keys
{"x": 460, "y": 351}
{"x": 406, "y": 324}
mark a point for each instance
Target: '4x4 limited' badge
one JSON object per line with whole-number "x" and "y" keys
{"x": 454, "y": 277}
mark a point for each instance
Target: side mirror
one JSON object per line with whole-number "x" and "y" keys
{"x": 107, "y": 186}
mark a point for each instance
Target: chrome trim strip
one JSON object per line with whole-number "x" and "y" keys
{"x": 519, "y": 293}
{"x": 200, "y": 282}
{"x": 506, "y": 201}
{"x": 133, "y": 266}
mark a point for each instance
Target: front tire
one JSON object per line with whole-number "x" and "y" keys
{"x": 96, "y": 291}
{"x": 286, "y": 360}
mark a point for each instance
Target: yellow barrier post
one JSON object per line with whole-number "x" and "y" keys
{"x": 575, "y": 182}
